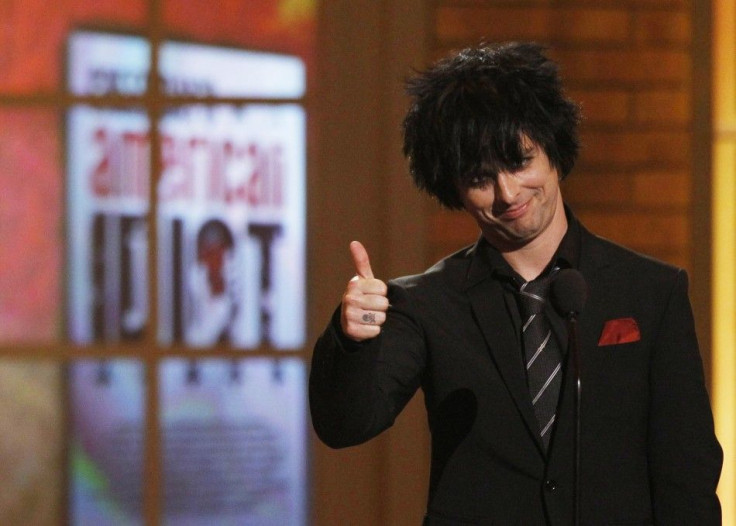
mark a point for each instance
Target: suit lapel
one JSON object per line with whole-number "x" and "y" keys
{"x": 491, "y": 313}
{"x": 593, "y": 267}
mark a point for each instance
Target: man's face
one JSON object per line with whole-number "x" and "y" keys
{"x": 518, "y": 208}
{"x": 212, "y": 256}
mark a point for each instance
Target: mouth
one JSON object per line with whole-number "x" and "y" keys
{"x": 513, "y": 212}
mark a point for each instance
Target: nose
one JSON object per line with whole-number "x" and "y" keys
{"x": 506, "y": 188}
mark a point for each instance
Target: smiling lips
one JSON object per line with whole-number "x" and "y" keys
{"x": 513, "y": 212}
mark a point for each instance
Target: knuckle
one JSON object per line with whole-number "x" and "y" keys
{"x": 353, "y": 315}
{"x": 351, "y": 301}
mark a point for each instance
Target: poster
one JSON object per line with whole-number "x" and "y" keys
{"x": 107, "y": 403}
{"x": 226, "y": 215}
{"x": 230, "y": 200}
{"x": 231, "y": 226}
{"x": 234, "y": 442}
{"x": 108, "y": 179}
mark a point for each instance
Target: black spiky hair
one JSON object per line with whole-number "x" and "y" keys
{"x": 472, "y": 113}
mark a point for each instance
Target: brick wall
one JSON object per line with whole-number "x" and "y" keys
{"x": 629, "y": 64}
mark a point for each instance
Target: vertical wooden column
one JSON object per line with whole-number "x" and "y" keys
{"x": 724, "y": 246}
{"x": 406, "y": 460}
{"x": 359, "y": 189}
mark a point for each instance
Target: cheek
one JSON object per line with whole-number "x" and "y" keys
{"x": 478, "y": 199}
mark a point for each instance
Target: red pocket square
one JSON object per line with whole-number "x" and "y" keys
{"x": 622, "y": 330}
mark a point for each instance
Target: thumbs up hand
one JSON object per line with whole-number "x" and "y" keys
{"x": 365, "y": 301}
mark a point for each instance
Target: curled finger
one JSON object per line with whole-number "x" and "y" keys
{"x": 373, "y": 317}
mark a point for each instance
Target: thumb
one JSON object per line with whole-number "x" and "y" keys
{"x": 361, "y": 260}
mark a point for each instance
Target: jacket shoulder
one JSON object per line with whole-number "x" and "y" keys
{"x": 449, "y": 271}
{"x": 624, "y": 259}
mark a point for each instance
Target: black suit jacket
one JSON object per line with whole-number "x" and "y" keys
{"x": 648, "y": 450}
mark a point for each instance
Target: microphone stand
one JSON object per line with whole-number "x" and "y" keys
{"x": 571, "y": 292}
{"x": 572, "y": 336}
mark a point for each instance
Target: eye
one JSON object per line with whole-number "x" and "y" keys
{"x": 478, "y": 181}
{"x": 526, "y": 160}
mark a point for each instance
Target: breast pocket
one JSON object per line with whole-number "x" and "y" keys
{"x": 615, "y": 381}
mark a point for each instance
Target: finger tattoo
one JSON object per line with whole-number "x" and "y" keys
{"x": 369, "y": 317}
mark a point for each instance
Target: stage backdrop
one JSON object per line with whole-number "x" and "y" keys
{"x": 153, "y": 239}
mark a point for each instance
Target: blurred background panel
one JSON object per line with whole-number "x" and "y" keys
{"x": 33, "y": 37}
{"x": 232, "y": 222}
{"x": 285, "y": 26}
{"x": 106, "y": 442}
{"x": 234, "y": 441}
{"x": 31, "y": 225}
{"x": 33, "y": 446}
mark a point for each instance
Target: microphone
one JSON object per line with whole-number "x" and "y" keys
{"x": 569, "y": 292}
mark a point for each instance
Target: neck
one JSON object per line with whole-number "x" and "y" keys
{"x": 530, "y": 259}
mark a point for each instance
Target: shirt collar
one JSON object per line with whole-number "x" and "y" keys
{"x": 567, "y": 254}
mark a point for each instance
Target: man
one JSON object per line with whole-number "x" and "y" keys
{"x": 491, "y": 131}
{"x": 212, "y": 301}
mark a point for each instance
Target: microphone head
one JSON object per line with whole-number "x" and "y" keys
{"x": 569, "y": 292}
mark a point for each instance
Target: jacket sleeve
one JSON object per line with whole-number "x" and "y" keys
{"x": 685, "y": 457}
{"x": 356, "y": 390}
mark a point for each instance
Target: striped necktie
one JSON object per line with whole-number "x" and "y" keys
{"x": 542, "y": 355}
